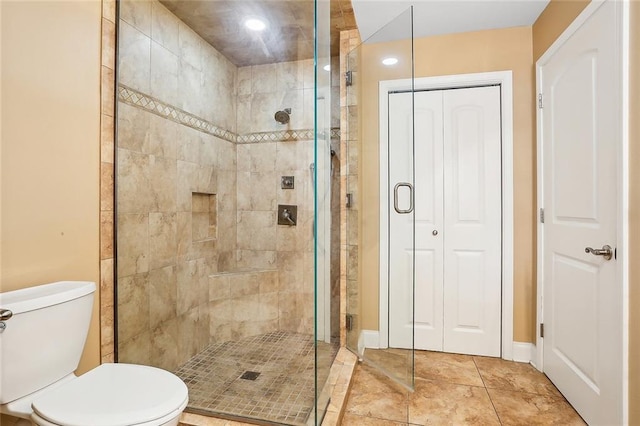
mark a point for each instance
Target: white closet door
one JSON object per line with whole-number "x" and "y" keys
{"x": 473, "y": 221}
{"x": 401, "y": 242}
{"x": 428, "y": 218}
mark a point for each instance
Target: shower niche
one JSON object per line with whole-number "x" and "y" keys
{"x": 204, "y": 218}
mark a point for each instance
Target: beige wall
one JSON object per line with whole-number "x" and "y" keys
{"x": 483, "y": 51}
{"x": 50, "y": 148}
{"x": 553, "y": 20}
{"x": 634, "y": 219}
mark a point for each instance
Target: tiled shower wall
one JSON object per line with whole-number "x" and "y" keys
{"x": 263, "y": 90}
{"x": 198, "y": 195}
{"x": 172, "y": 179}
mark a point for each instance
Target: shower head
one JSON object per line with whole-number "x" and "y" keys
{"x": 282, "y": 117}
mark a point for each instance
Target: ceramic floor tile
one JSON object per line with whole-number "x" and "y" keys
{"x": 520, "y": 408}
{"x": 375, "y": 395}
{"x": 499, "y": 374}
{"x": 450, "y": 368}
{"x": 354, "y": 420}
{"x": 439, "y": 403}
{"x": 395, "y": 362}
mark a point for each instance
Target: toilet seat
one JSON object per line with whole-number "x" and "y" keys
{"x": 114, "y": 395}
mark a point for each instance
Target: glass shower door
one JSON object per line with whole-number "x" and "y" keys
{"x": 380, "y": 195}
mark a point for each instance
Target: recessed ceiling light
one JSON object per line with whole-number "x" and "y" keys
{"x": 255, "y": 24}
{"x": 390, "y": 61}
{"x": 327, "y": 68}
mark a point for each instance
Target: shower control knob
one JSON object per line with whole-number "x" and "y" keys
{"x": 434, "y": 232}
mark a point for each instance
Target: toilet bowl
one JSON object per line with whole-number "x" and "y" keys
{"x": 40, "y": 347}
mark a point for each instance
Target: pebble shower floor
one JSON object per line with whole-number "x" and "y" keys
{"x": 282, "y": 392}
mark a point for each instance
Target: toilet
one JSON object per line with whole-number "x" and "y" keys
{"x": 43, "y": 330}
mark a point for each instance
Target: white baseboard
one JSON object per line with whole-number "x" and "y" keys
{"x": 524, "y": 352}
{"x": 370, "y": 339}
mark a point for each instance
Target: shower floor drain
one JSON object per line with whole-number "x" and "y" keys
{"x": 250, "y": 375}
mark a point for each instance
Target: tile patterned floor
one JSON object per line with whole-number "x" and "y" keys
{"x": 282, "y": 393}
{"x": 456, "y": 389}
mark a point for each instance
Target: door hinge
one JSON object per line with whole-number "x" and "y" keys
{"x": 348, "y": 78}
{"x": 540, "y": 100}
{"x": 541, "y": 215}
{"x": 349, "y": 322}
{"x": 349, "y": 200}
{"x": 542, "y": 330}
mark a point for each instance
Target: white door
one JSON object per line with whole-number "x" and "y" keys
{"x": 428, "y": 218}
{"x": 457, "y": 223}
{"x": 473, "y": 221}
{"x": 582, "y": 296}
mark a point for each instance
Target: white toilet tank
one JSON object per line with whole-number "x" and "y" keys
{"x": 44, "y": 339}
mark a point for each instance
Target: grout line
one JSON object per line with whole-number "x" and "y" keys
{"x": 487, "y": 390}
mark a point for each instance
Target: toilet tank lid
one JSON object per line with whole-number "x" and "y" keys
{"x": 41, "y": 296}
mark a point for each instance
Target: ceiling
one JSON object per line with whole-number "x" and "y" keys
{"x": 434, "y": 17}
{"x": 289, "y": 32}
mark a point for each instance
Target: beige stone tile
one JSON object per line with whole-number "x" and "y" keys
{"x": 162, "y": 138}
{"x": 450, "y": 368}
{"x": 244, "y": 81}
{"x": 163, "y": 81}
{"x": 136, "y": 350}
{"x": 107, "y": 91}
{"x": 257, "y": 191}
{"x": 107, "y": 144}
{"x": 108, "y": 43}
{"x": 257, "y": 157}
{"x": 189, "y": 88}
{"x": 520, "y": 408}
{"x": 289, "y": 75}
{"x": 109, "y": 10}
{"x": 191, "y": 46}
{"x": 443, "y": 403}
{"x": 190, "y": 419}
{"x": 188, "y": 287}
{"x": 243, "y": 284}
{"x": 500, "y": 374}
{"x": 163, "y": 243}
{"x": 106, "y": 186}
{"x": 188, "y": 325}
{"x": 133, "y": 127}
{"x": 219, "y": 287}
{"x": 256, "y": 230}
{"x": 106, "y": 235}
{"x": 162, "y": 295}
{"x": 374, "y": 395}
{"x": 268, "y": 282}
{"x": 265, "y": 259}
{"x": 164, "y": 27}
{"x": 106, "y": 284}
{"x": 133, "y": 306}
{"x": 263, "y": 107}
{"x": 263, "y": 78}
{"x": 164, "y": 345}
{"x": 268, "y": 310}
{"x": 162, "y": 173}
{"x": 355, "y": 420}
{"x": 133, "y": 244}
{"x": 134, "y": 54}
{"x": 137, "y": 13}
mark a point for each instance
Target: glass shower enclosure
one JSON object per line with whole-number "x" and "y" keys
{"x": 381, "y": 214}
{"x": 223, "y": 202}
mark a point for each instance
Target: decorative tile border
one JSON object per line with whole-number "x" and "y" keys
{"x": 156, "y": 106}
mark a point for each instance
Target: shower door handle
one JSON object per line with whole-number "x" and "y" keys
{"x": 395, "y": 197}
